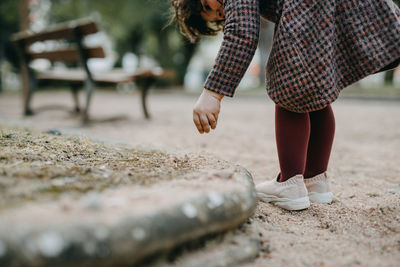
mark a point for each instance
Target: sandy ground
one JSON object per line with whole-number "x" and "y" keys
{"x": 361, "y": 227}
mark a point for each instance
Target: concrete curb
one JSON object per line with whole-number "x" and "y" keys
{"x": 133, "y": 238}
{"x": 233, "y": 248}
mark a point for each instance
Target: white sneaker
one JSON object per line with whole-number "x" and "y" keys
{"x": 319, "y": 189}
{"x": 289, "y": 195}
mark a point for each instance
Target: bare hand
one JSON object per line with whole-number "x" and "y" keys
{"x": 206, "y": 111}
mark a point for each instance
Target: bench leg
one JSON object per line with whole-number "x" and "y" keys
{"x": 28, "y": 97}
{"x": 144, "y": 86}
{"x": 89, "y": 91}
{"x": 74, "y": 90}
{"x": 28, "y": 94}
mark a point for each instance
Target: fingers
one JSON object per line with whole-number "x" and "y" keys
{"x": 204, "y": 122}
{"x": 205, "y": 113}
{"x": 196, "y": 121}
{"x": 212, "y": 120}
{"x": 216, "y": 116}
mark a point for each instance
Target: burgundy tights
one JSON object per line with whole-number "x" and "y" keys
{"x": 304, "y": 141}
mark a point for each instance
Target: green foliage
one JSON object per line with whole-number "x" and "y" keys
{"x": 8, "y": 13}
{"x": 138, "y": 26}
{"x": 9, "y": 24}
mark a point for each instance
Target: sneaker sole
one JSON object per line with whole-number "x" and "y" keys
{"x": 321, "y": 198}
{"x": 286, "y": 203}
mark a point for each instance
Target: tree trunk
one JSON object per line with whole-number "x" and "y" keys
{"x": 24, "y": 26}
{"x": 1, "y": 64}
{"x": 23, "y": 15}
{"x": 1, "y": 81}
{"x": 389, "y": 77}
{"x": 164, "y": 51}
{"x": 188, "y": 51}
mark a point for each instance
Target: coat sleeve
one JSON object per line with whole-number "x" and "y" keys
{"x": 241, "y": 32}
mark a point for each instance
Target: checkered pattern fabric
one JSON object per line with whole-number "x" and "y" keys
{"x": 271, "y": 9}
{"x": 319, "y": 47}
{"x": 241, "y": 30}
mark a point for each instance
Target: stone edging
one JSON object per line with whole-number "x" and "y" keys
{"x": 132, "y": 238}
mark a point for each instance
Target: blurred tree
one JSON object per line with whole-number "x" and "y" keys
{"x": 389, "y": 77}
{"x": 137, "y": 26}
{"x": 9, "y": 24}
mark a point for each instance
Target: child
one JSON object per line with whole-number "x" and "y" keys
{"x": 319, "y": 47}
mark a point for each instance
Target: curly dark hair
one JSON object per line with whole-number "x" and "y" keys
{"x": 191, "y": 23}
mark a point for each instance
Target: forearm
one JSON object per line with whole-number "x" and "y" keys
{"x": 214, "y": 94}
{"x": 241, "y": 34}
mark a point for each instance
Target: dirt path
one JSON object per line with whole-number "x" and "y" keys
{"x": 362, "y": 226}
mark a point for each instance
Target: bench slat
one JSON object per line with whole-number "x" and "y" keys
{"x": 69, "y": 54}
{"x": 115, "y": 76}
{"x": 62, "y": 31}
{"x": 75, "y": 31}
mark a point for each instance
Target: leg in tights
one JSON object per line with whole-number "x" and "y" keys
{"x": 320, "y": 143}
{"x": 292, "y": 131}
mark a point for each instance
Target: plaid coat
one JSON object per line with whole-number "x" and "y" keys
{"x": 319, "y": 47}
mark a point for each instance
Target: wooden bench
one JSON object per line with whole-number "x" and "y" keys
{"x": 71, "y": 35}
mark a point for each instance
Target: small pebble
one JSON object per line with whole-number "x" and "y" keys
{"x": 53, "y": 131}
{"x": 395, "y": 190}
{"x": 266, "y": 246}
